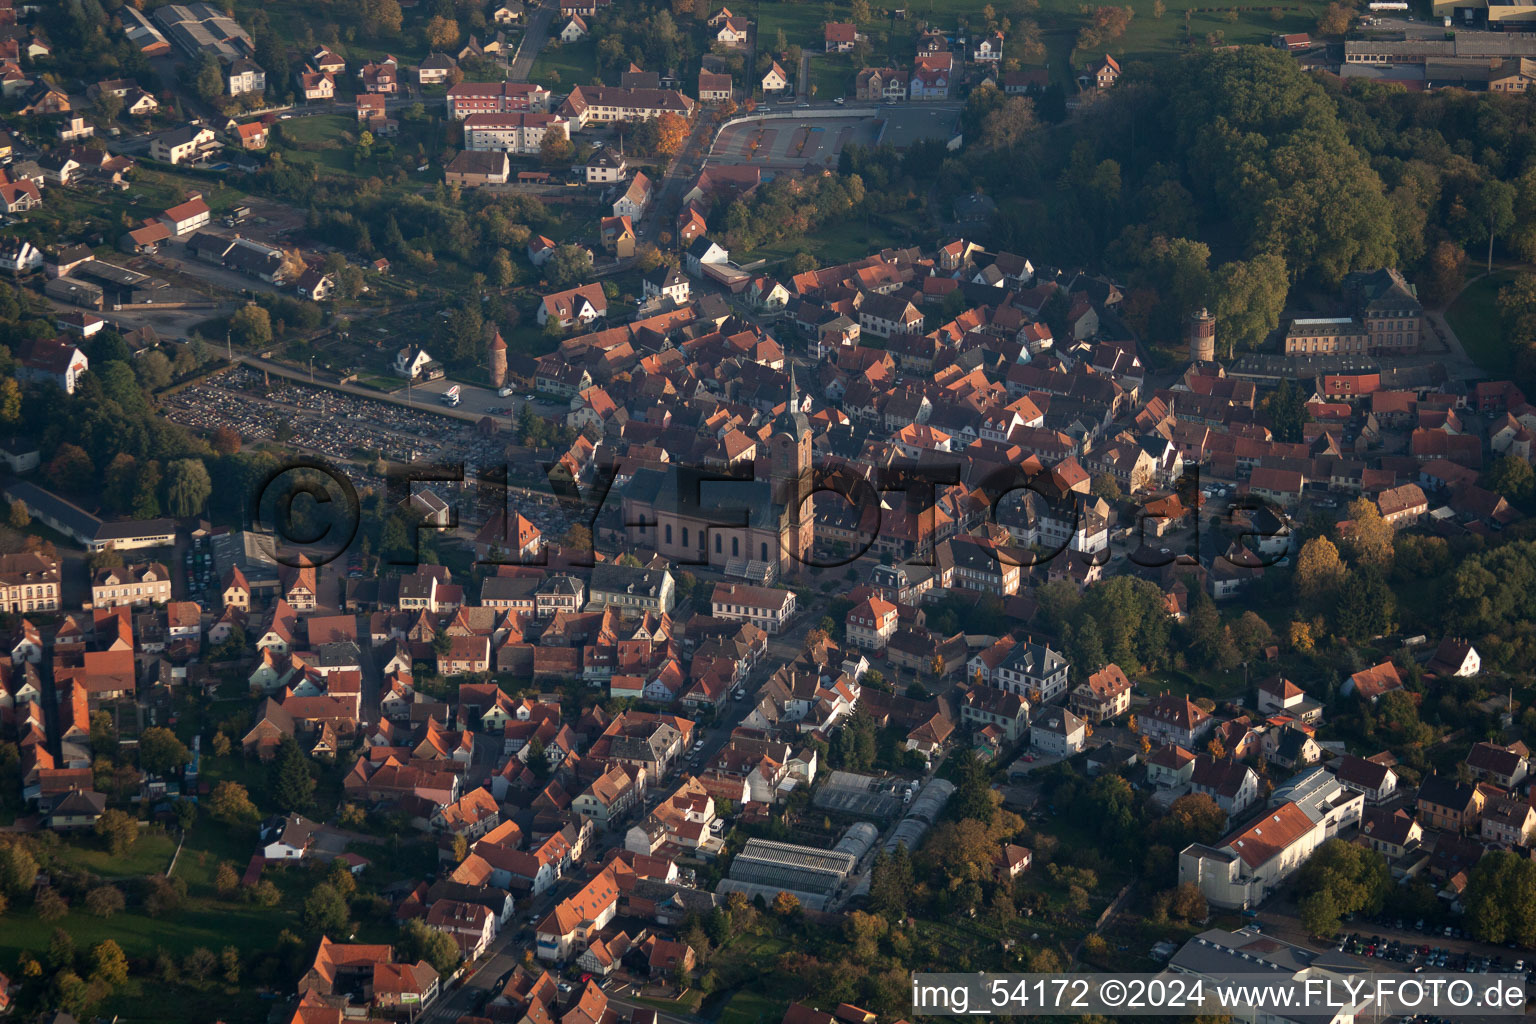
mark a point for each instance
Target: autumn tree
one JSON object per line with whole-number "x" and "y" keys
{"x": 231, "y": 804}
{"x": 1189, "y": 902}
{"x": 1447, "y": 272}
{"x": 226, "y": 440}
{"x": 1009, "y": 124}
{"x": 1335, "y": 21}
{"x": 1367, "y": 538}
{"x": 442, "y": 32}
{"x": 108, "y": 963}
{"x": 104, "y": 901}
{"x": 1319, "y": 570}
{"x": 671, "y": 133}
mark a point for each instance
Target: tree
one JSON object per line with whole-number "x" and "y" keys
{"x": 442, "y": 32}
{"x": 1501, "y": 899}
{"x": 104, "y": 901}
{"x": 71, "y": 469}
{"x": 671, "y": 133}
{"x": 418, "y": 941}
{"x": 18, "y": 869}
{"x": 1493, "y": 206}
{"x": 1368, "y": 538}
{"x": 18, "y": 517}
{"x": 567, "y": 266}
{"x": 251, "y": 325}
{"x": 1335, "y": 21}
{"x": 50, "y": 906}
{"x": 293, "y": 787}
{"x": 1189, "y": 902}
{"x": 226, "y": 881}
{"x": 1009, "y": 124}
{"x": 555, "y": 148}
{"x": 154, "y": 370}
{"x": 1319, "y": 570}
{"x": 1192, "y": 818}
{"x": 1106, "y": 487}
{"x": 1249, "y": 297}
{"x": 226, "y": 440}
{"x": 1447, "y": 272}
{"x": 1341, "y": 878}
{"x": 160, "y": 751}
{"x": 108, "y": 963}
{"x": 200, "y": 963}
{"x": 61, "y": 950}
{"x": 1288, "y": 412}
{"x": 118, "y": 830}
{"x": 325, "y": 910}
{"x": 207, "y": 78}
{"x": 10, "y": 401}
{"x": 785, "y": 904}
{"x": 165, "y": 895}
{"x": 1511, "y": 477}
{"x": 109, "y": 105}
{"x": 187, "y": 486}
{"x": 231, "y": 804}
{"x": 71, "y": 994}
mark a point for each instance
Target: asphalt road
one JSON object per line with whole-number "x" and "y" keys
{"x": 532, "y": 42}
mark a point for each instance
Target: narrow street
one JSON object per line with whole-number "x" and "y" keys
{"x": 532, "y": 42}
{"x": 681, "y": 171}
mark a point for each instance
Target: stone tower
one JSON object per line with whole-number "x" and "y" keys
{"x": 1202, "y": 336}
{"x": 496, "y": 359}
{"x": 789, "y": 450}
{"x": 790, "y": 445}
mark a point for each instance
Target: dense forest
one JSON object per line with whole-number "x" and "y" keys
{"x": 1233, "y": 177}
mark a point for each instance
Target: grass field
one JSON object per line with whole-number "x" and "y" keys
{"x": 747, "y": 1007}
{"x": 559, "y": 66}
{"x": 833, "y": 244}
{"x": 1475, "y": 319}
{"x": 149, "y": 855}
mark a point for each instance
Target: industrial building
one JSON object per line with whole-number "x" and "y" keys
{"x": 201, "y": 28}
{"x": 925, "y": 810}
{"x": 813, "y": 876}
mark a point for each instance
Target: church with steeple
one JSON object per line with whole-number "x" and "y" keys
{"x": 756, "y": 528}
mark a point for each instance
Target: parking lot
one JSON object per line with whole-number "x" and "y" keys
{"x": 790, "y": 143}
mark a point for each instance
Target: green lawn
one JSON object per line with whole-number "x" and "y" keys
{"x": 1475, "y": 319}
{"x": 830, "y": 245}
{"x": 149, "y": 855}
{"x": 832, "y": 76}
{"x": 317, "y": 130}
{"x": 562, "y": 65}
{"x": 747, "y": 1007}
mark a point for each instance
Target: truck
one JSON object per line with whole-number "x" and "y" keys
{"x": 451, "y": 396}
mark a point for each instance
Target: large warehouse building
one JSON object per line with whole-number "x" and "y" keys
{"x": 809, "y": 874}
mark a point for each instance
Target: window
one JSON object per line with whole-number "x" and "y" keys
{"x": 765, "y": 551}
{"x": 717, "y": 544}
{"x": 685, "y": 536}
{"x": 669, "y": 533}
{"x": 735, "y": 547}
